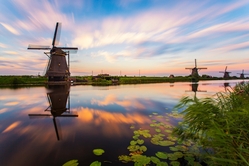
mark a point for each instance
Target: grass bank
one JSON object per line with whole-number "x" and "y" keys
{"x": 21, "y": 80}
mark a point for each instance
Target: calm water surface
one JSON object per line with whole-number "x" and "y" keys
{"x": 50, "y": 126}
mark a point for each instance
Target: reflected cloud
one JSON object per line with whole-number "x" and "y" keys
{"x": 126, "y": 103}
{"x": 11, "y": 103}
{"x": 12, "y": 126}
{"x": 99, "y": 116}
{"x": 3, "y": 110}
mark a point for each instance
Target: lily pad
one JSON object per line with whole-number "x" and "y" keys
{"x": 158, "y": 130}
{"x": 175, "y": 163}
{"x": 168, "y": 131}
{"x": 98, "y": 152}
{"x": 141, "y": 159}
{"x": 133, "y": 142}
{"x": 162, "y": 155}
{"x": 71, "y": 163}
{"x": 140, "y": 141}
{"x": 96, "y": 163}
{"x": 143, "y": 148}
{"x": 124, "y": 158}
{"x": 133, "y": 148}
{"x": 166, "y": 143}
{"x": 173, "y": 148}
{"x": 155, "y": 113}
{"x": 155, "y": 160}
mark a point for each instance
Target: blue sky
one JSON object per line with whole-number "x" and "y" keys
{"x": 157, "y": 37}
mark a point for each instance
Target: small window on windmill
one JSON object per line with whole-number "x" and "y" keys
{"x": 59, "y": 64}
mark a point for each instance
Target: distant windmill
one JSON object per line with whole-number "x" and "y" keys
{"x": 242, "y": 75}
{"x": 59, "y": 105}
{"x": 195, "y": 70}
{"x": 57, "y": 69}
{"x": 226, "y": 73}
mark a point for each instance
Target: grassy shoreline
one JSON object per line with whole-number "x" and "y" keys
{"x": 100, "y": 81}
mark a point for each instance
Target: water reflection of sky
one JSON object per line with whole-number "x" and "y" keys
{"x": 104, "y": 118}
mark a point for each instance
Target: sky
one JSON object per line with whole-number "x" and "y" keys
{"x": 127, "y": 37}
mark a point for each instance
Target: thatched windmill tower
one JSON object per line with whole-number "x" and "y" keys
{"x": 59, "y": 105}
{"x": 242, "y": 75}
{"x": 194, "y": 72}
{"x": 57, "y": 69}
{"x": 226, "y": 73}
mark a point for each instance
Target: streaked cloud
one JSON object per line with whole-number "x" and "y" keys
{"x": 153, "y": 32}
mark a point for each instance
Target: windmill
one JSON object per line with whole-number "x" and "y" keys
{"x": 226, "y": 73}
{"x": 57, "y": 69}
{"x": 195, "y": 70}
{"x": 242, "y": 75}
{"x": 59, "y": 105}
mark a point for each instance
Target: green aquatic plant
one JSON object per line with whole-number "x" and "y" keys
{"x": 98, "y": 152}
{"x": 162, "y": 155}
{"x": 71, "y": 163}
{"x": 219, "y": 124}
{"x": 95, "y": 163}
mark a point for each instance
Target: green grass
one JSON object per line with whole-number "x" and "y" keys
{"x": 21, "y": 80}
{"x": 219, "y": 124}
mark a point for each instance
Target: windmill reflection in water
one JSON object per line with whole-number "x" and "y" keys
{"x": 194, "y": 88}
{"x": 59, "y": 104}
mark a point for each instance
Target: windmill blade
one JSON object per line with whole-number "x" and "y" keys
{"x": 226, "y": 69}
{"x": 57, "y": 33}
{"x": 68, "y": 48}
{"x": 72, "y": 50}
{"x": 202, "y": 68}
{"x": 38, "y": 47}
{"x": 243, "y": 71}
{"x": 195, "y": 64}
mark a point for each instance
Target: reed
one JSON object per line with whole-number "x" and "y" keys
{"x": 219, "y": 124}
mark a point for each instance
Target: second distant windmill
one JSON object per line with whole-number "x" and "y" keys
{"x": 194, "y": 72}
{"x": 242, "y": 75}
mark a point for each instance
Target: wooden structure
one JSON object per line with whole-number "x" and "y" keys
{"x": 242, "y": 75}
{"x": 57, "y": 69}
{"x": 194, "y": 70}
{"x": 226, "y": 73}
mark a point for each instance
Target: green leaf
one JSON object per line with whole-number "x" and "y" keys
{"x": 155, "y": 159}
{"x": 162, "y": 155}
{"x": 143, "y": 148}
{"x": 98, "y": 152}
{"x": 174, "y": 163}
{"x": 165, "y": 143}
{"x": 71, "y": 163}
{"x": 140, "y": 141}
{"x": 133, "y": 142}
{"x": 158, "y": 130}
{"x": 124, "y": 158}
{"x": 96, "y": 163}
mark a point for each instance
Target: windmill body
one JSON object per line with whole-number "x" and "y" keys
{"x": 194, "y": 72}
{"x": 226, "y": 73}
{"x": 57, "y": 68}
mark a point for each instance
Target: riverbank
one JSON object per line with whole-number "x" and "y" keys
{"x": 98, "y": 81}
